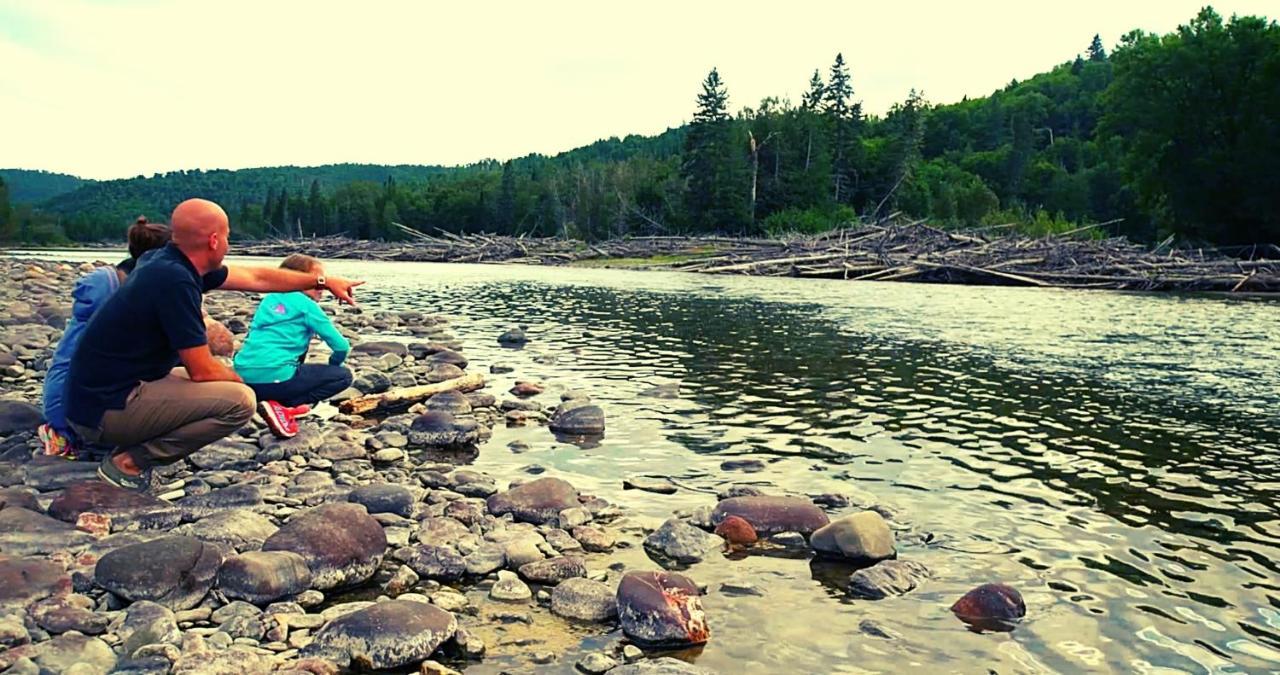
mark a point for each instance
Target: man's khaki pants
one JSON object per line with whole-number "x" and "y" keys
{"x": 165, "y": 420}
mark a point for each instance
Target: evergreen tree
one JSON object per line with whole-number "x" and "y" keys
{"x": 506, "y": 210}
{"x": 1077, "y": 66}
{"x": 280, "y": 211}
{"x": 715, "y": 168}
{"x": 6, "y": 211}
{"x": 1096, "y": 52}
{"x": 817, "y": 90}
{"x": 315, "y": 209}
{"x": 844, "y": 118}
{"x": 269, "y": 207}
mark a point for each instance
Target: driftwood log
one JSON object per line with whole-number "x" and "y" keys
{"x": 399, "y": 398}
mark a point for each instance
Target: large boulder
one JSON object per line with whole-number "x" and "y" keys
{"x": 991, "y": 607}
{"x": 578, "y": 417}
{"x": 679, "y": 542}
{"x": 126, "y": 508}
{"x": 584, "y": 600}
{"x": 538, "y": 501}
{"x": 18, "y": 416}
{"x": 771, "y": 515}
{"x": 342, "y": 544}
{"x": 861, "y": 537}
{"x": 24, "y": 532}
{"x": 238, "y": 529}
{"x": 262, "y": 577}
{"x": 175, "y": 571}
{"x": 387, "y": 634}
{"x": 887, "y": 578}
{"x": 661, "y": 609}
{"x": 26, "y": 580}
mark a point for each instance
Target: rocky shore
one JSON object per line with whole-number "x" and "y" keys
{"x": 366, "y": 542}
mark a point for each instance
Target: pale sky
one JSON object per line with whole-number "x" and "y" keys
{"x": 111, "y": 89}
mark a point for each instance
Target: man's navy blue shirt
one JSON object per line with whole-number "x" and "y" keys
{"x": 135, "y": 336}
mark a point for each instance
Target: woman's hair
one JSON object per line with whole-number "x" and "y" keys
{"x": 299, "y": 263}
{"x": 144, "y": 236}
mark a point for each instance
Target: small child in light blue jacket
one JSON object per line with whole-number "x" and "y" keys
{"x": 272, "y": 358}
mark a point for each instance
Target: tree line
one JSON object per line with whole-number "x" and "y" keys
{"x": 1172, "y": 134}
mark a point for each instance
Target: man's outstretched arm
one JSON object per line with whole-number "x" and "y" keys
{"x": 276, "y": 280}
{"x": 202, "y": 367}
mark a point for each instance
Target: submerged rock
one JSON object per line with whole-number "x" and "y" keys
{"x": 538, "y": 501}
{"x": 342, "y": 544}
{"x": 771, "y": 515}
{"x": 661, "y": 609}
{"x": 996, "y": 607}
{"x": 513, "y": 337}
{"x": 887, "y": 578}
{"x": 175, "y": 572}
{"x": 388, "y": 634}
{"x": 681, "y": 542}
{"x": 577, "y": 417}
{"x": 861, "y": 537}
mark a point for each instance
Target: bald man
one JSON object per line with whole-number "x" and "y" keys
{"x": 123, "y": 389}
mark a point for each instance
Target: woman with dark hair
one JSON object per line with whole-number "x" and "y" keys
{"x": 273, "y": 359}
{"x": 89, "y": 293}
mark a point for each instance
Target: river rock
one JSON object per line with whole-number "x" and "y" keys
{"x": 861, "y": 537}
{"x": 25, "y": 580}
{"x": 665, "y": 665}
{"x": 771, "y": 515}
{"x": 486, "y": 559}
{"x": 441, "y": 563}
{"x": 241, "y": 496}
{"x": 174, "y": 571}
{"x": 442, "y": 429}
{"x": 46, "y": 473}
{"x": 62, "y": 613}
{"x": 89, "y": 655}
{"x": 660, "y": 486}
{"x": 525, "y": 389}
{"x": 577, "y": 417}
{"x": 378, "y": 348}
{"x": 593, "y": 539}
{"x": 991, "y": 607}
{"x": 737, "y": 531}
{"x": 127, "y": 509}
{"x": 24, "y": 532}
{"x": 342, "y": 544}
{"x": 661, "y": 609}
{"x": 372, "y": 382}
{"x": 680, "y": 542}
{"x": 238, "y": 529}
{"x": 447, "y": 357}
{"x": 513, "y": 337}
{"x": 262, "y": 577}
{"x": 225, "y": 455}
{"x": 18, "y": 416}
{"x": 584, "y": 600}
{"x": 388, "y": 634}
{"x": 384, "y": 498}
{"x": 509, "y": 588}
{"x": 553, "y": 571}
{"x": 440, "y": 531}
{"x": 452, "y": 402}
{"x": 147, "y": 623}
{"x": 19, "y": 497}
{"x": 538, "y": 501}
{"x": 887, "y": 578}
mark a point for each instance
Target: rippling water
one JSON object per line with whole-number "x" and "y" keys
{"x": 1114, "y": 456}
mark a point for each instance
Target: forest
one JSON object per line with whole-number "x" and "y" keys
{"x": 1174, "y": 134}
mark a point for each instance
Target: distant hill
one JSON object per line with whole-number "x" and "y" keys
{"x": 32, "y": 187}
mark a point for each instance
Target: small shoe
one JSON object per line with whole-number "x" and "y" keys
{"x": 109, "y": 472}
{"x": 55, "y": 444}
{"x": 278, "y": 419}
{"x": 299, "y": 410}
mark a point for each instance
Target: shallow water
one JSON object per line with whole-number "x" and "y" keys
{"x": 1114, "y": 456}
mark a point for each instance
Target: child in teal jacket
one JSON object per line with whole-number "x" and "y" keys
{"x": 272, "y": 358}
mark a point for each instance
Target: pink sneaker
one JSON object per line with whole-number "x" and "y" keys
{"x": 278, "y": 419}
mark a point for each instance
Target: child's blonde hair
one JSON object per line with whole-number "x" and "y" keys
{"x": 299, "y": 262}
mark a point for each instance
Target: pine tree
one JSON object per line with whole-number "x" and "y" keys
{"x": 844, "y": 119}
{"x": 6, "y": 211}
{"x": 269, "y": 207}
{"x": 1095, "y": 51}
{"x": 1077, "y": 66}
{"x": 506, "y": 212}
{"x": 715, "y": 167}
{"x": 813, "y": 98}
{"x": 280, "y": 211}
{"x": 315, "y": 209}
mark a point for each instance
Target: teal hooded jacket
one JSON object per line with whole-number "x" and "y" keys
{"x": 280, "y": 336}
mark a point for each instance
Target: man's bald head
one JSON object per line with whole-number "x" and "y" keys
{"x": 200, "y": 228}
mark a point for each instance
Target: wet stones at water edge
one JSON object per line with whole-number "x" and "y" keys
{"x": 538, "y": 501}
{"x": 513, "y": 337}
{"x": 665, "y": 665}
{"x": 442, "y": 429}
{"x": 553, "y": 571}
{"x": 261, "y": 577}
{"x": 681, "y": 543}
{"x": 577, "y": 417}
{"x": 861, "y": 537}
{"x": 991, "y": 607}
{"x": 342, "y": 544}
{"x": 737, "y": 531}
{"x": 661, "y": 609}
{"x": 584, "y": 600}
{"x": 886, "y": 579}
{"x": 772, "y": 515}
{"x": 387, "y": 634}
{"x": 175, "y": 572}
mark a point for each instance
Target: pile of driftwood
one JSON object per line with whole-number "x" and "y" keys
{"x": 886, "y": 251}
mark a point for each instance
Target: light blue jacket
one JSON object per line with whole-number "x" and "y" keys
{"x": 280, "y": 335}
{"x": 90, "y": 292}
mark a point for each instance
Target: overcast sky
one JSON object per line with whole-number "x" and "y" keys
{"x": 112, "y": 89}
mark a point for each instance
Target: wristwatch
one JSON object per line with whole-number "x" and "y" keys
{"x": 320, "y": 282}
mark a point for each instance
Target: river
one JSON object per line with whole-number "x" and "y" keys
{"x": 1116, "y": 457}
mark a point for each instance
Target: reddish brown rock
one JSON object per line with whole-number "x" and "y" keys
{"x": 24, "y": 580}
{"x": 523, "y": 389}
{"x": 537, "y": 501}
{"x": 991, "y": 607}
{"x": 737, "y": 531}
{"x": 661, "y": 609}
{"x": 97, "y": 524}
{"x": 771, "y": 515}
{"x": 126, "y": 508}
{"x": 342, "y": 544}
